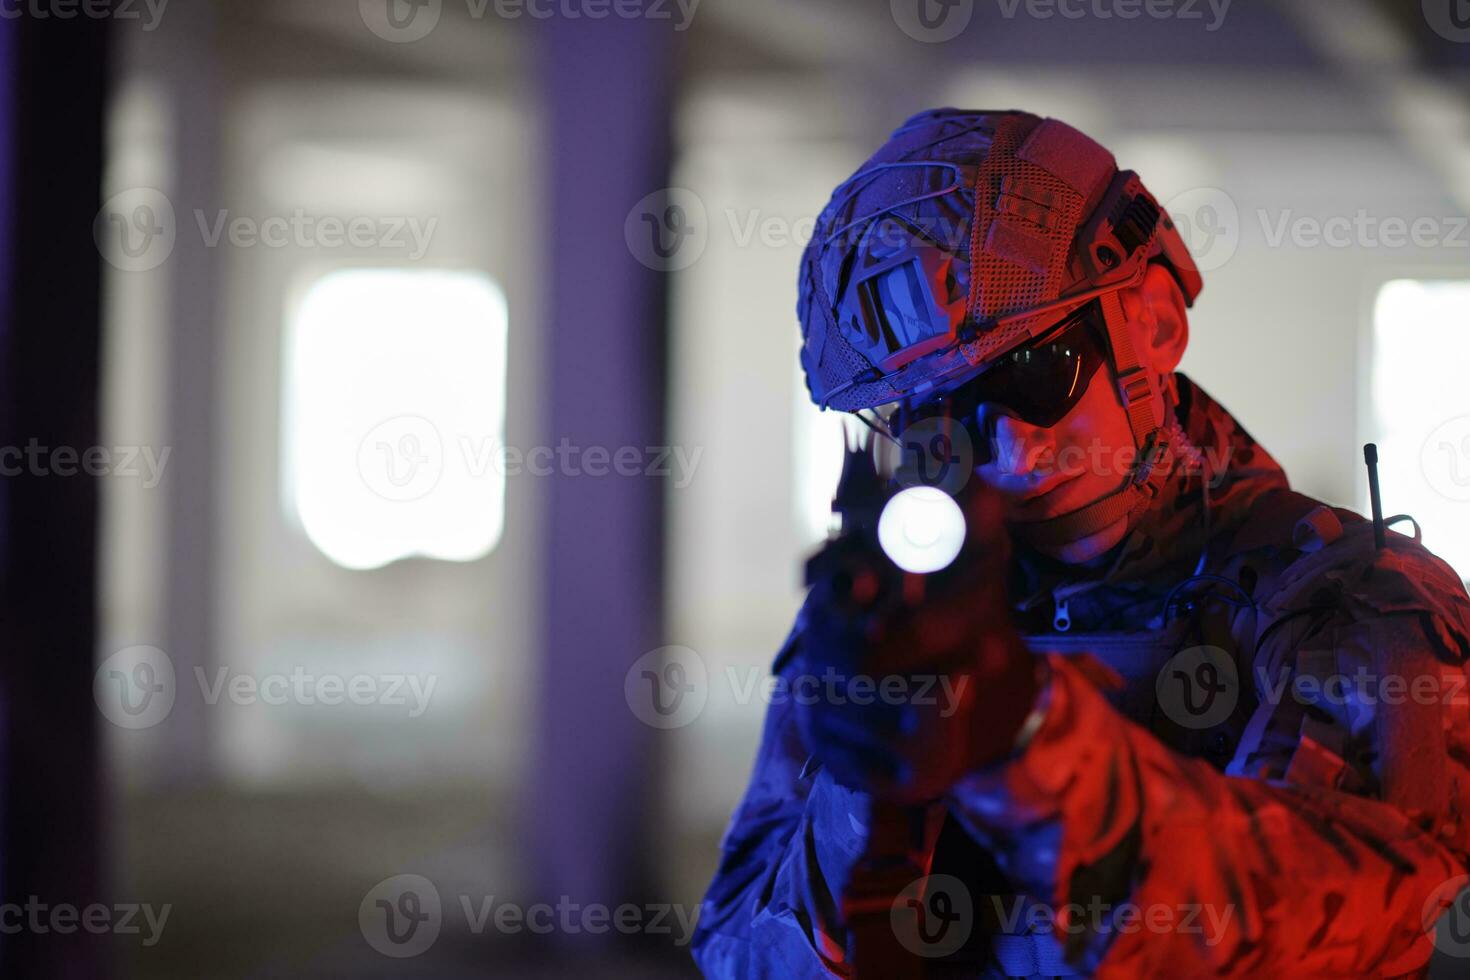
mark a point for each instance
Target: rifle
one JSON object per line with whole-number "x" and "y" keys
{"x": 853, "y": 560}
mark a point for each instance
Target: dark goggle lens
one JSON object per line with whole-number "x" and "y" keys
{"x": 1038, "y": 384}
{"x": 1041, "y": 383}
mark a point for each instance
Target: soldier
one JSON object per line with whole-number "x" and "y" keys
{"x": 1200, "y": 724}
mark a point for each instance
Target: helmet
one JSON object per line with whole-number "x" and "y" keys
{"x": 969, "y": 234}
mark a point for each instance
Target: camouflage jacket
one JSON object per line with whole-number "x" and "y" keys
{"x": 1254, "y": 761}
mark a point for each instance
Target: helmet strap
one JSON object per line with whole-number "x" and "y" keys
{"x": 1141, "y": 391}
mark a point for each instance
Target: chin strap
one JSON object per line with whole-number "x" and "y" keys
{"x": 1155, "y": 434}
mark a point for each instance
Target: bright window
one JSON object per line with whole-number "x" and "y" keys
{"x": 1421, "y": 410}
{"x": 817, "y": 445}
{"x": 394, "y": 415}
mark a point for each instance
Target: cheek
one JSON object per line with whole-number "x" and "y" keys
{"x": 1098, "y": 425}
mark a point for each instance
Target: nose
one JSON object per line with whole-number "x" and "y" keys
{"x": 1018, "y": 445}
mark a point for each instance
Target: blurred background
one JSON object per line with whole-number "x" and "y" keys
{"x": 407, "y": 471}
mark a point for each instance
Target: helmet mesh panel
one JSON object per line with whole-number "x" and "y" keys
{"x": 999, "y": 286}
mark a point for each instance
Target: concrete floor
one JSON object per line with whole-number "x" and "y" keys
{"x": 269, "y": 885}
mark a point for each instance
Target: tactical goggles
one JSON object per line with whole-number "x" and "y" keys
{"x": 1038, "y": 383}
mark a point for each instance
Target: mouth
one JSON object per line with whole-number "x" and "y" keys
{"x": 1042, "y": 501}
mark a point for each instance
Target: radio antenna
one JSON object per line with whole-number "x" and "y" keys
{"x": 1370, "y": 457}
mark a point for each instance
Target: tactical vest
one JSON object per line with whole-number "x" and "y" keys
{"x": 1190, "y": 680}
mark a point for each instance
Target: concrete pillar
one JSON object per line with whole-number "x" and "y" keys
{"x": 51, "y": 137}
{"x": 593, "y": 791}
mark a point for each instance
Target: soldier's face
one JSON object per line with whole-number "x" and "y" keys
{"x": 1045, "y": 472}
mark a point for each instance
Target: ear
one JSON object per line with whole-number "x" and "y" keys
{"x": 1156, "y": 309}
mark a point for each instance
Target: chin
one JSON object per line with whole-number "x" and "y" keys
{"x": 1086, "y": 549}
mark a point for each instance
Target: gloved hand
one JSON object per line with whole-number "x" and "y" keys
{"x": 914, "y": 681}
